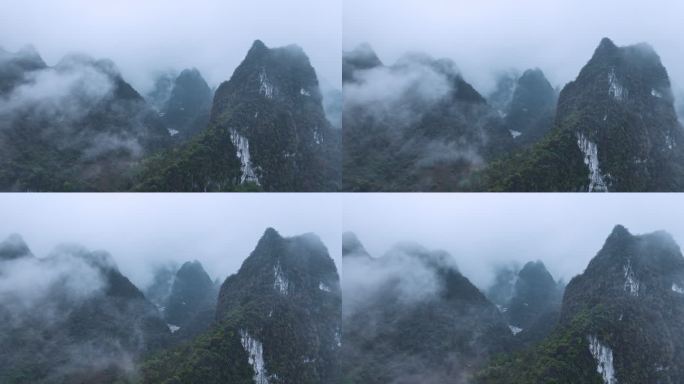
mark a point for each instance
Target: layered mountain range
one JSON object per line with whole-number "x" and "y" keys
{"x": 418, "y": 125}
{"x": 277, "y": 320}
{"x": 615, "y": 129}
{"x": 619, "y": 321}
{"x": 267, "y": 130}
{"x": 79, "y": 126}
{"x": 409, "y": 316}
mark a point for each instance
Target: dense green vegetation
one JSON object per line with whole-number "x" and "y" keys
{"x": 554, "y": 164}
{"x": 563, "y": 358}
{"x": 206, "y": 164}
{"x": 214, "y": 357}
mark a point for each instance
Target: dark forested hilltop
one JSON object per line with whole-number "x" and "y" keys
{"x": 614, "y": 128}
{"x": 79, "y": 126}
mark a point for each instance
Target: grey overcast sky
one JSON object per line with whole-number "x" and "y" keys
{"x": 482, "y": 230}
{"x": 145, "y": 36}
{"x": 144, "y": 230}
{"x": 486, "y": 36}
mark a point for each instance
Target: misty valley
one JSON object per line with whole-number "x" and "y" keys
{"x": 415, "y": 125}
{"x": 418, "y": 125}
{"x": 335, "y": 192}
{"x": 80, "y": 126}
{"x": 288, "y": 316}
{"x": 410, "y": 316}
{"x": 73, "y": 317}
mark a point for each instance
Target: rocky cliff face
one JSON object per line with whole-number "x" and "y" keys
{"x": 619, "y": 323}
{"x": 267, "y": 129}
{"x": 616, "y": 130}
{"x": 277, "y": 321}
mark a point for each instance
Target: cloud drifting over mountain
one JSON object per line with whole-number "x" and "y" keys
{"x": 143, "y": 232}
{"x": 482, "y": 231}
{"x": 486, "y": 37}
{"x": 149, "y": 36}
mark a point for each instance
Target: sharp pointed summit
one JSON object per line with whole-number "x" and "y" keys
{"x": 186, "y": 111}
{"x": 352, "y": 246}
{"x": 362, "y": 57}
{"x": 619, "y": 231}
{"x": 257, "y": 47}
{"x": 270, "y": 235}
{"x": 605, "y": 47}
{"x": 14, "y": 247}
{"x": 191, "y": 304}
